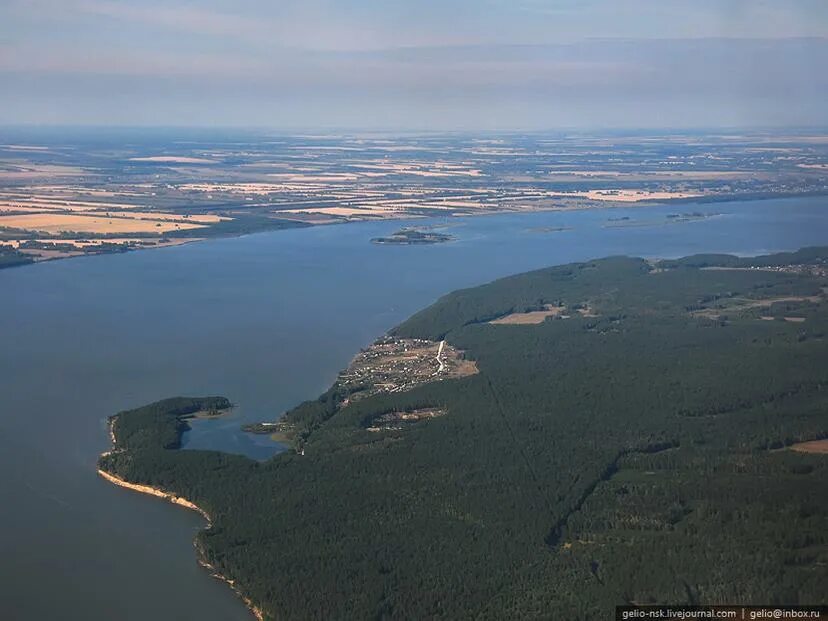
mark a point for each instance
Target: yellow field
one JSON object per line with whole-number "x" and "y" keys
{"x": 173, "y": 217}
{"x": 37, "y": 204}
{"x": 530, "y": 318}
{"x": 59, "y": 223}
{"x": 814, "y": 446}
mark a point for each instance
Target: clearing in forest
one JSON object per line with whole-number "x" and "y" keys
{"x": 814, "y": 446}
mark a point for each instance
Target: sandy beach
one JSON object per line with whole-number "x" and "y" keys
{"x": 182, "y": 502}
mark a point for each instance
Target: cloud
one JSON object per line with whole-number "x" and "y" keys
{"x": 437, "y": 60}
{"x": 685, "y": 18}
{"x": 172, "y": 16}
{"x": 693, "y": 68}
{"x": 186, "y": 17}
{"x": 69, "y": 62}
{"x": 288, "y": 24}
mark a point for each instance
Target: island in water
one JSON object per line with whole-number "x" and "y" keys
{"x": 549, "y": 445}
{"x": 672, "y": 218}
{"x": 412, "y": 236}
{"x": 550, "y": 229}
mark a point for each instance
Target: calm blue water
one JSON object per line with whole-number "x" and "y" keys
{"x": 266, "y": 320}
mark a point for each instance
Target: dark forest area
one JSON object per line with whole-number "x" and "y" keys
{"x": 640, "y": 452}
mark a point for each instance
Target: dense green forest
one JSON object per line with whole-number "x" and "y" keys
{"x": 635, "y": 453}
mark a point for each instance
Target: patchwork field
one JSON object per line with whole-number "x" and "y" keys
{"x": 56, "y": 195}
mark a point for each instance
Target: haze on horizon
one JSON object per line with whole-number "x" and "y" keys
{"x": 430, "y": 64}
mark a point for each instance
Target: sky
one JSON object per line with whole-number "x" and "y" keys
{"x": 415, "y": 64}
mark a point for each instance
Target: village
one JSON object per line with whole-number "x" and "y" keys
{"x": 397, "y": 365}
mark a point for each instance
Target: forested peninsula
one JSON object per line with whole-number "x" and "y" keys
{"x": 633, "y": 432}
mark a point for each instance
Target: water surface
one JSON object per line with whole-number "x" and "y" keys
{"x": 266, "y": 320}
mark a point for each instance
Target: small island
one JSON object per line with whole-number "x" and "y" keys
{"x": 690, "y": 217}
{"x": 411, "y": 236}
{"x": 671, "y": 218}
{"x": 550, "y": 229}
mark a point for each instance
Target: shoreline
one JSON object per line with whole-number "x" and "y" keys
{"x": 181, "y": 242}
{"x": 158, "y": 493}
{"x": 187, "y": 504}
{"x": 644, "y": 203}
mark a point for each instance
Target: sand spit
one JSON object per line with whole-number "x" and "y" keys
{"x": 182, "y": 502}
{"x": 152, "y": 491}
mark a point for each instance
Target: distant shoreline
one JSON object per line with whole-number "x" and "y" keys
{"x": 80, "y": 255}
{"x": 187, "y": 504}
{"x": 644, "y": 203}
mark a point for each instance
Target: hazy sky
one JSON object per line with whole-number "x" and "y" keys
{"x": 419, "y": 64}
